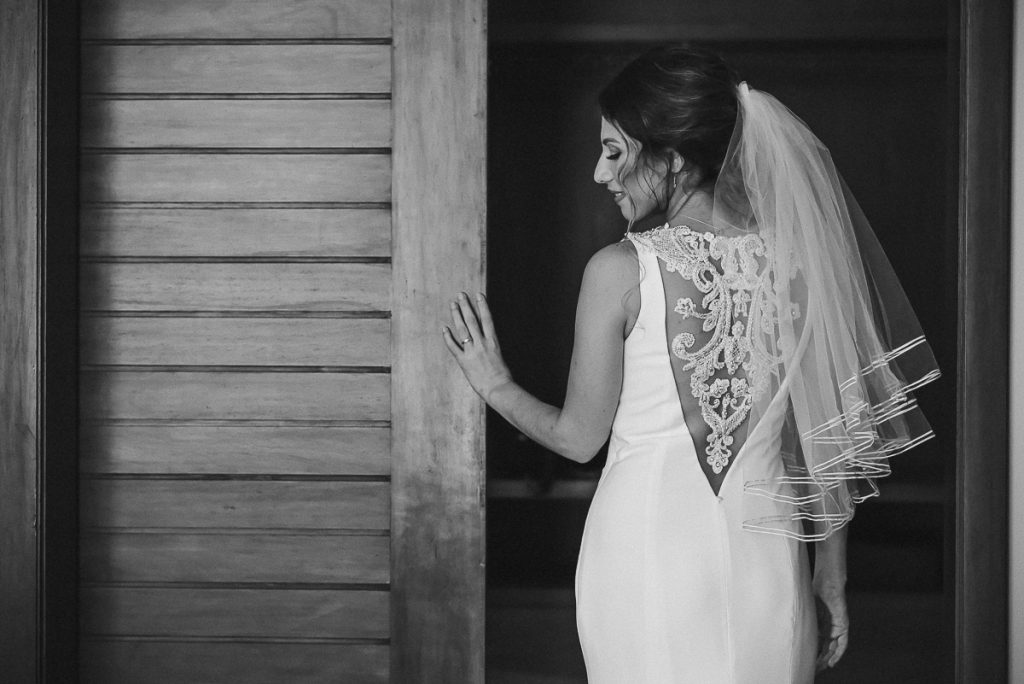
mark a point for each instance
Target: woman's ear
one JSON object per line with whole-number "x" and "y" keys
{"x": 676, "y": 162}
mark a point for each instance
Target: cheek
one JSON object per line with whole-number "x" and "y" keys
{"x": 641, "y": 187}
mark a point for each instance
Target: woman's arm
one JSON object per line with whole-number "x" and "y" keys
{"x": 605, "y": 312}
{"x": 830, "y": 589}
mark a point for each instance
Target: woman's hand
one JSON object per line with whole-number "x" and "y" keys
{"x": 473, "y": 343}
{"x": 833, "y": 622}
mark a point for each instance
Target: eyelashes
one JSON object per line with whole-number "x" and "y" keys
{"x": 613, "y": 156}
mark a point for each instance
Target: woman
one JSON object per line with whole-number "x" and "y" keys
{"x": 751, "y": 358}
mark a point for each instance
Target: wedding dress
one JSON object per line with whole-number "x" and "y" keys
{"x": 670, "y": 587}
{"x": 766, "y": 383}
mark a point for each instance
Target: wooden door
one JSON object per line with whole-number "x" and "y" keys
{"x": 280, "y": 479}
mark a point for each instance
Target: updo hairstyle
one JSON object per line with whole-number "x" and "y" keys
{"x": 675, "y": 98}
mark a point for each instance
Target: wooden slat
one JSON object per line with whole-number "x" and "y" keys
{"x": 145, "y": 231}
{"x": 234, "y": 286}
{"x": 188, "y": 611}
{"x": 141, "y": 557}
{"x": 235, "y": 341}
{"x": 134, "y": 177}
{"x": 235, "y": 395}
{"x": 241, "y": 504}
{"x": 236, "y": 123}
{"x": 149, "y": 662}
{"x": 199, "y": 449}
{"x": 235, "y": 19}
{"x": 438, "y": 449}
{"x": 236, "y": 68}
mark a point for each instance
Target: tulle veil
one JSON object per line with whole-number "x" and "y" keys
{"x": 849, "y": 348}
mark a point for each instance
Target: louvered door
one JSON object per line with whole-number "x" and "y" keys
{"x": 236, "y": 344}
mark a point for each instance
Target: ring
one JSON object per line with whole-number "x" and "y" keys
{"x": 463, "y": 342}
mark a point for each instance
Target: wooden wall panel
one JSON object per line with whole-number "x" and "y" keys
{"x": 236, "y": 123}
{"x": 251, "y": 19}
{"x": 125, "y": 503}
{"x": 194, "y": 69}
{"x": 234, "y": 395}
{"x": 213, "y": 612}
{"x": 235, "y": 341}
{"x": 206, "y": 662}
{"x": 234, "y": 557}
{"x": 158, "y": 286}
{"x": 235, "y": 232}
{"x": 126, "y": 177}
{"x": 235, "y": 449}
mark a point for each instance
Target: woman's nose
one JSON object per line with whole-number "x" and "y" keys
{"x": 602, "y": 174}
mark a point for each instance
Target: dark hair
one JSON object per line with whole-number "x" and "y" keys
{"x": 676, "y": 98}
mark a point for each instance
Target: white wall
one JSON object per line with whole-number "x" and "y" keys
{"x": 1017, "y": 360}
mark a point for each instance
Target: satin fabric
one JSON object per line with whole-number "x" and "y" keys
{"x": 669, "y": 587}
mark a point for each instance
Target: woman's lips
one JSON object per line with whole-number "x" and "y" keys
{"x": 617, "y": 196}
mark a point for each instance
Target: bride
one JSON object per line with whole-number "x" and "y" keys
{"x": 752, "y": 359}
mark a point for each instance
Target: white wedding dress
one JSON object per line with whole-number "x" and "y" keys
{"x": 670, "y": 588}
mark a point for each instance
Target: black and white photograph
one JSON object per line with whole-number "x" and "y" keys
{"x": 511, "y": 342}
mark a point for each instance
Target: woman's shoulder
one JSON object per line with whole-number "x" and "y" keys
{"x": 614, "y": 262}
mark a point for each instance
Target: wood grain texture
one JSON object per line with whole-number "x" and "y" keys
{"x": 236, "y": 123}
{"x": 146, "y": 231}
{"x": 245, "y": 504}
{"x": 242, "y": 449}
{"x": 143, "y": 557}
{"x": 235, "y": 341}
{"x": 438, "y": 422}
{"x": 121, "y": 19}
{"x": 234, "y": 395}
{"x": 234, "y": 286}
{"x": 168, "y": 662}
{"x": 283, "y": 68}
{"x": 983, "y": 449}
{"x": 128, "y": 177}
{"x": 215, "y": 612}
{"x": 20, "y": 440}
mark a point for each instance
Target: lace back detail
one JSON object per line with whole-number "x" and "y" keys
{"x": 720, "y": 322}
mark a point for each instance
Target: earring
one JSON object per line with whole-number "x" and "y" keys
{"x": 675, "y": 179}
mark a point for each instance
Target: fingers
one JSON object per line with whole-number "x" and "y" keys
{"x": 486, "y": 322}
{"x": 468, "y": 326}
{"x": 832, "y": 650}
{"x": 832, "y": 615}
{"x": 840, "y": 642}
{"x": 469, "y": 317}
{"x": 459, "y": 329}
{"x": 449, "y": 341}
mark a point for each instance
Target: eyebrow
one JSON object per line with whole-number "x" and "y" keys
{"x": 610, "y": 141}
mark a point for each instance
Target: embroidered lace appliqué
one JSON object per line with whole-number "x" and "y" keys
{"x": 737, "y": 310}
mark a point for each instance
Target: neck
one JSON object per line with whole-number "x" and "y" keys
{"x": 689, "y": 206}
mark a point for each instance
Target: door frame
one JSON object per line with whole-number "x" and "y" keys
{"x": 39, "y": 366}
{"x": 39, "y": 49}
{"x": 981, "y": 540}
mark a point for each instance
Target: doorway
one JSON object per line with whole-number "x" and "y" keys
{"x": 884, "y": 103}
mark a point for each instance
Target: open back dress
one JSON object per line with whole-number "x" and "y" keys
{"x": 670, "y": 587}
